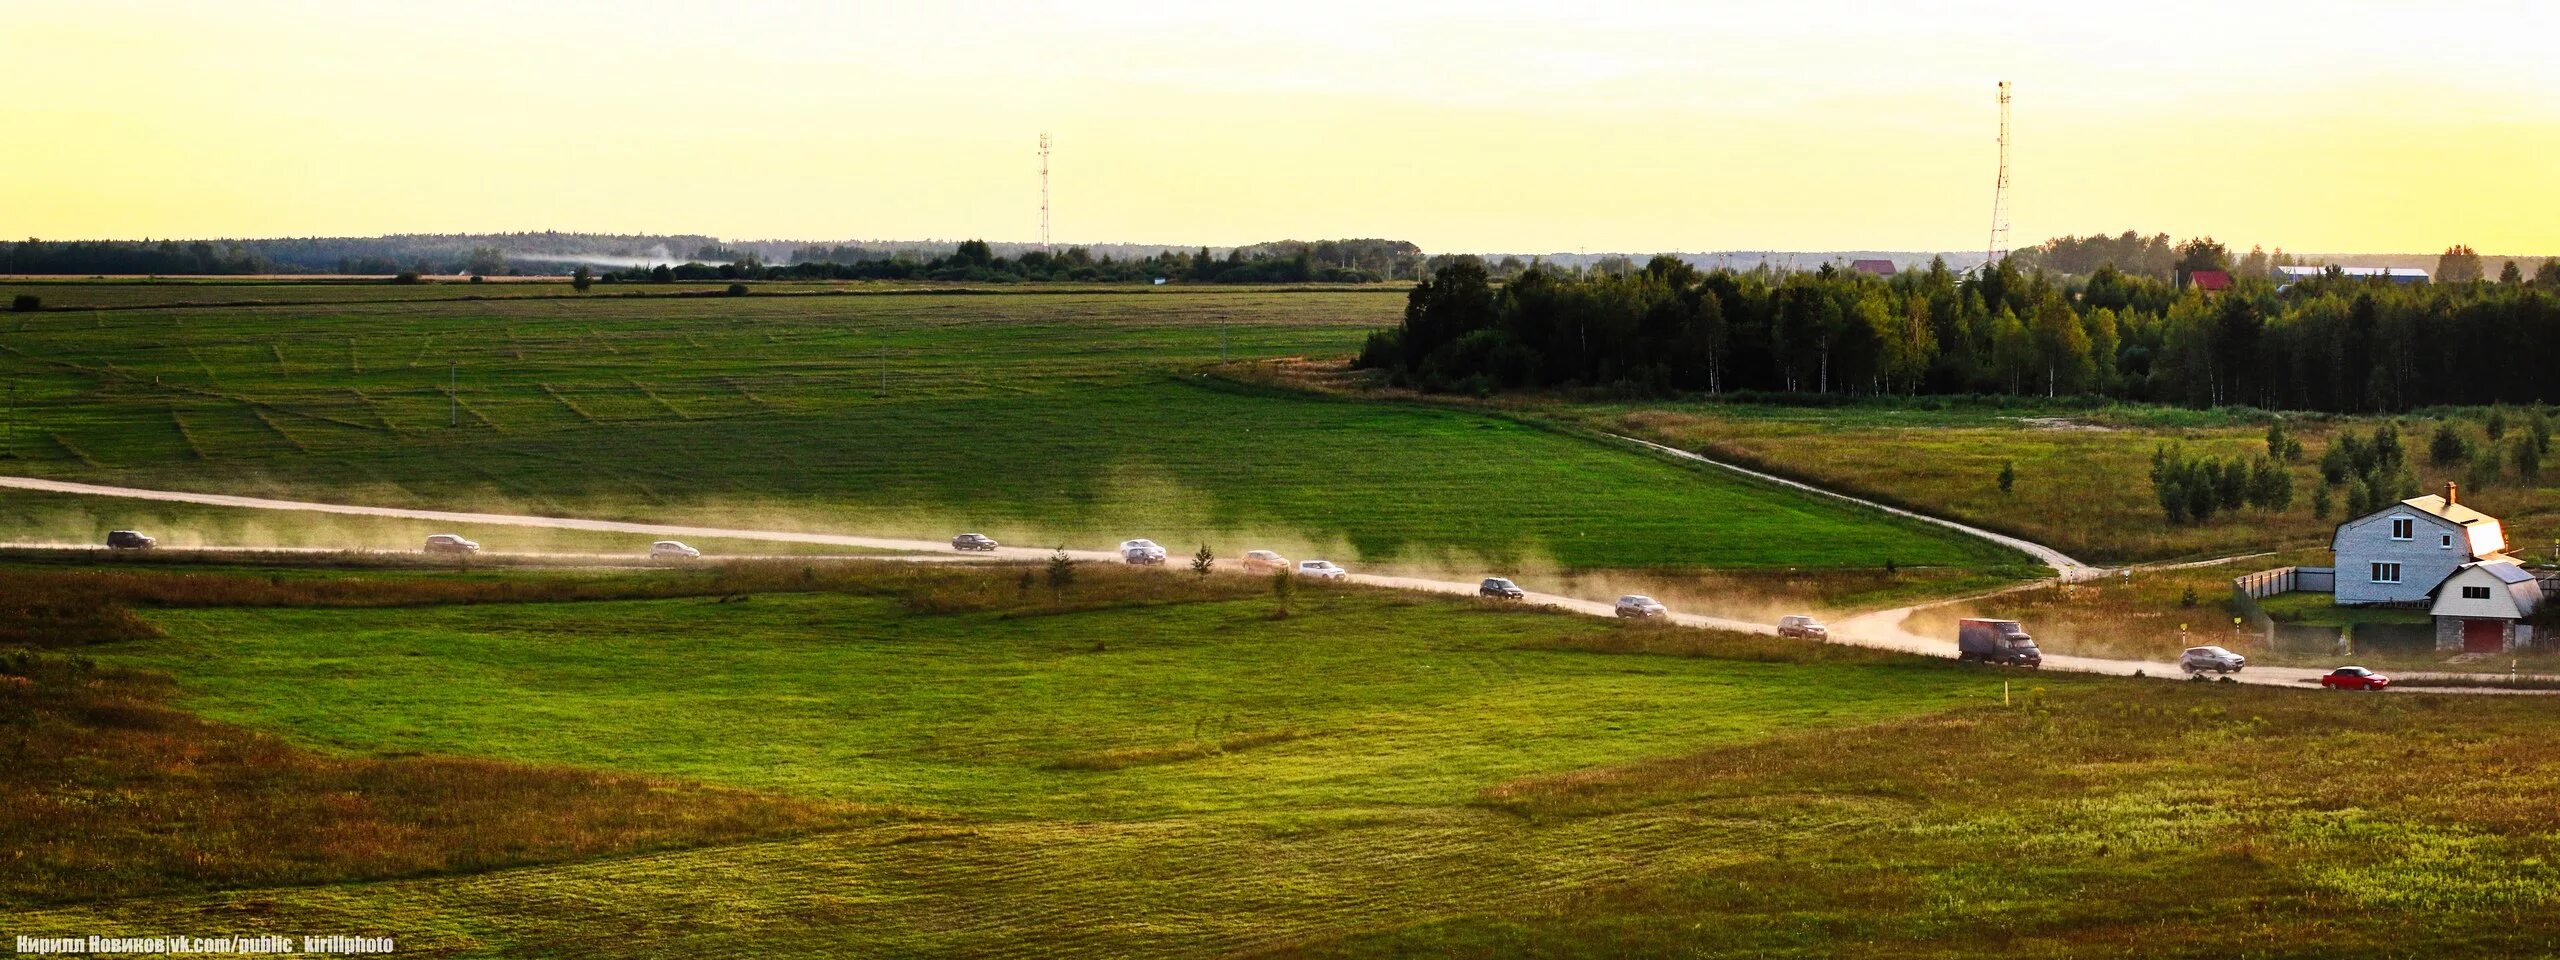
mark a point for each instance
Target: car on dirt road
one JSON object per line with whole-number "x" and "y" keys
{"x": 1641, "y": 607}
{"x": 973, "y": 541}
{"x": 1500, "y": 589}
{"x": 2209, "y": 658}
{"x": 451, "y": 543}
{"x": 1141, "y": 551}
{"x": 673, "y": 550}
{"x": 1264, "y": 561}
{"x": 2354, "y": 678}
{"x": 129, "y": 540}
{"x": 1321, "y": 570}
{"x": 2003, "y": 642}
{"x": 1802, "y": 627}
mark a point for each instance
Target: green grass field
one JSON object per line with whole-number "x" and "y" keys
{"x": 1077, "y": 417}
{"x": 929, "y": 763}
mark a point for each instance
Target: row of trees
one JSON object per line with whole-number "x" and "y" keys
{"x": 2329, "y": 343}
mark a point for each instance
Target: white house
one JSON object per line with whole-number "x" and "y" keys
{"x": 2482, "y": 607}
{"x": 2400, "y": 553}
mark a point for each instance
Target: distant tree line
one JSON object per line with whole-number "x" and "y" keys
{"x": 2328, "y": 343}
{"x": 635, "y": 257}
{"x": 1287, "y": 261}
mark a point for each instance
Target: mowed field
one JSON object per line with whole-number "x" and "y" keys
{"x": 1078, "y": 417}
{"x": 893, "y": 760}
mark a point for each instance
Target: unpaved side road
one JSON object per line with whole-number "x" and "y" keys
{"x": 2070, "y": 570}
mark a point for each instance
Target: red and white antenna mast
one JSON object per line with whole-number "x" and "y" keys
{"x": 1044, "y": 190}
{"x": 2000, "y": 191}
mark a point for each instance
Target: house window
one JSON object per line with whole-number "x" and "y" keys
{"x": 2386, "y": 573}
{"x": 2448, "y": 542}
{"x": 2475, "y": 593}
{"x": 2404, "y": 528}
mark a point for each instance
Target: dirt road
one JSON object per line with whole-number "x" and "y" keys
{"x": 1881, "y": 629}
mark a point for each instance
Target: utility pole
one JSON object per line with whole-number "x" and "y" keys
{"x": 1044, "y": 193}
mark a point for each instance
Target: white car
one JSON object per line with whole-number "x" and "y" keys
{"x": 1264, "y": 561}
{"x": 1641, "y": 607}
{"x": 673, "y": 550}
{"x": 1141, "y": 551}
{"x": 1321, "y": 570}
{"x": 451, "y": 543}
{"x": 2216, "y": 659}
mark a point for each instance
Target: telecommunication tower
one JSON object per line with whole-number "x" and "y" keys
{"x": 1044, "y": 192}
{"x": 2000, "y": 191}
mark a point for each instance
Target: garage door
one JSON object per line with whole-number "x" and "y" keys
{"x": 2484, "y": 636}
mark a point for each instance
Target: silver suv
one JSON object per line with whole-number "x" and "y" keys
{"x": 2216, "y": 659}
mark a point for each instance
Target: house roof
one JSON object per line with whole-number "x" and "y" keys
{"x": 2395, "y": 273}
{"x": 2210, "y": 279}
{"x": 1881, "y": 268}
{"x": 2436, "y": 505}
{"x": 2504, "y": 568}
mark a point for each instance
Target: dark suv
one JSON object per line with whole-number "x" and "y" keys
{"x": 129, "y": 540}
{"x": 1499, "y": 589}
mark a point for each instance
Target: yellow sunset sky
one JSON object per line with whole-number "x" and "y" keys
{"x": 2318, "y": 127}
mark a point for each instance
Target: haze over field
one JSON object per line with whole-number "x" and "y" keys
{"x": 1618, "y": 126}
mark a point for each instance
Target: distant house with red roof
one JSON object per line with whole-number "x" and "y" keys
{"x": 1881, "y": 268}
{"x": 2210, "y": 281}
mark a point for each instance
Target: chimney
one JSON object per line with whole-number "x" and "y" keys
{"x": 2449, "y": 494}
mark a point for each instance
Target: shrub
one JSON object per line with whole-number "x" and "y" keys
{"x": 405, "y": 276}
{"x": 26, "y": 303}
{"x": 737, "y": 289}
{"x": 2008, "y": 476}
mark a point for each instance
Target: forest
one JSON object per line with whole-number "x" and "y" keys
{"x": 2334, "y": 342}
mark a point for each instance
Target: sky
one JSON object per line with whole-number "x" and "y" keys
{"x": 2337, "y": 126}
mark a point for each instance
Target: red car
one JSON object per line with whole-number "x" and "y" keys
{"x": 2354, "y": 678}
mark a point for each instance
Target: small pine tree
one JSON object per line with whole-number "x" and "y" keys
{"x": 2496, "y": 424}
{"x": 2276, "y": 440}
{"x": 2537, "y": 428}
{"x": 2528, "y": 458}
{"x": 1062, "y": 572}
{"x": 2321, "y": 502}
{"x": 2446, "y": 447}
{"x": 1022, "y": 588}
{"x": 2008, "y": 476}
{"x": 1203, "y": 561}
{"x": 1283, "y": 588}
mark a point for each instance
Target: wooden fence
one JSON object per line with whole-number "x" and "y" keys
{"x": 2268, "y": 583}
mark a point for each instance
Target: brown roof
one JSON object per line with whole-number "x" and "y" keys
{"x": 1881, "y": 268}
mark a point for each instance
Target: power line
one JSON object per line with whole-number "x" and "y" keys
{"x": 1999, "y": 245}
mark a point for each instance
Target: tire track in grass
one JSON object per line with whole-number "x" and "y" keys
{"x": 564, "y": 401}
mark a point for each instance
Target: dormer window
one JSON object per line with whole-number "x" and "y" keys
{"x": 2404, "y": 528}
{"x": 2475, "y": 593}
